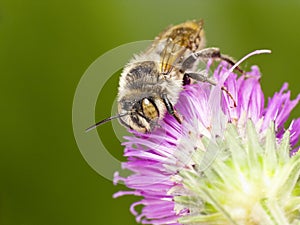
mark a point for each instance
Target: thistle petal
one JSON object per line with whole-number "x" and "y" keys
{"x": 223, "y": 164}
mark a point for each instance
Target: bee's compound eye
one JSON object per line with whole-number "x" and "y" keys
{"x": 149, "y": 109}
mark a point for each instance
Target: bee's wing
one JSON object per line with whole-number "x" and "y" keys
{"x": 176, "y": 42}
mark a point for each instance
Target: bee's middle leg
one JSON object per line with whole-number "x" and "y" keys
{"x": 199, "y": 76}
{"x": 202, "y": 77}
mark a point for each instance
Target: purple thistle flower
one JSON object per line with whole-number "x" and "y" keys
{"x": 157, "y": 159}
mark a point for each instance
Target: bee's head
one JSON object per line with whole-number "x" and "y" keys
{"x": 143, "y": 114}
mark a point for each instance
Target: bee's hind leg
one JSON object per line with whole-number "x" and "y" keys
{"x": 207, "y": 53}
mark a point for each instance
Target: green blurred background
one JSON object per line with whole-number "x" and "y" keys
{"x": 46, "y": 46}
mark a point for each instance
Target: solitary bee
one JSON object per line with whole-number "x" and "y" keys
{"x": 151, "y": 82}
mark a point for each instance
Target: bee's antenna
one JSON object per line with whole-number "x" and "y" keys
{"x": 104, "y": 121}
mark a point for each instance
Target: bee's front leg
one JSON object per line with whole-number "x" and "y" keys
{"x": 171, "y": 109}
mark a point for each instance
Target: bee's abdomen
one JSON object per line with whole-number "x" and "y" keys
{"x": 141, "y": 71}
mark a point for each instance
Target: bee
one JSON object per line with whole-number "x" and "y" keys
{"x": 151, "y": 82}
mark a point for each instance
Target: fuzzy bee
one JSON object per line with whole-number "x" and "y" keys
{"x": 151, "y": 82}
